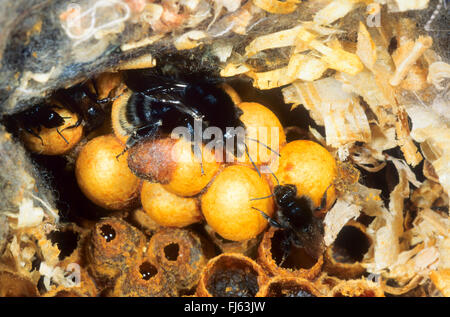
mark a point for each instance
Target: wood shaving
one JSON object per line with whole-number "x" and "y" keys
{"x": 277, "y": 7}
{"x": 337, "y": 217}
{"x": 329, "y": 105}
{"x": 189, "y": 40}
{"x": 334, "y": 11}
{"x": 437, "y": 73}
{"x": 404, "y": 63}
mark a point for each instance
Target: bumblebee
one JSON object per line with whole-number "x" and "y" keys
{"x": 155, "y": 105}
{"x": 295, "y": 217}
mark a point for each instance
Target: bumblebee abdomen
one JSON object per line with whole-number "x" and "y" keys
{"x": 138, "y": 109}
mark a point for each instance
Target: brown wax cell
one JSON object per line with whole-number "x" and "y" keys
{"x": 298, "y": 263}
{"x": 144, "y": 278}
{"x": 357, "y": 288}
{"x": 179, "y": 253}
{"x": 324, "y": 283}
{"x": 288, "y": 286}
{"x": 343, "y": 258}
{"x": 15, "y": 285}
{"x": 231, "y": 275}
{"x": 113, "y": 245}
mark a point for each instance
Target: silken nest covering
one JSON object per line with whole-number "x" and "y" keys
{"x": 366, "y": 79}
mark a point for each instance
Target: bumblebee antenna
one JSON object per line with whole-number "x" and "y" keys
{"x": 273, "y": 174}
{"x": 266, "y": 146}
{"x": 253, "y": 163}
{"x": 109, "y": 99}
{"x": 269, "y": 148}
{"x": 260, "y": 198}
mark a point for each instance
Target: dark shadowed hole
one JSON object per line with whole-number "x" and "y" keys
{"x": 73, "y": 206}
{"x": 288, "y": 290}
{"x": 171, "y": 251}
{"x": 350, "y": 245}
{"x": 393, "y": 44}
{"x": 147, "y": 270}
{"x": 107, "y": 232}
{"x": 297, "y": 257}
{"x": 36, "y": 263}
{"x": 187, "y": 292}
{"x": 67, "y": 242}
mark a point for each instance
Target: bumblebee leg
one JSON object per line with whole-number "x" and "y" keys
{"x": 30, "y": 131}
{"x": 121, "y": 153}
{"x": 271, "y": 221}
{"x": 94, "y": 98}
{"x": 59, "y": 132}
{"x": 195, "y": 147}
{"x": 76, "y": 125}
{"x": 285, "y": 245}
{"x": 149, "y": 130}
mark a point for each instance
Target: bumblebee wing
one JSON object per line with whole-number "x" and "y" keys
{"x": 148, "y": 81}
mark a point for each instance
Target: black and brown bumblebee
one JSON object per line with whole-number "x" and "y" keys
{"x": 295, "y": 217}
{"x": 155, "y": 105}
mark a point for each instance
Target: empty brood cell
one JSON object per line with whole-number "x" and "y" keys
{"x": 231, "y": 275}
{"x": 288, "y": 286}
{"x": 179, "y": 253}
{"x": 298, "y": 263}
{"x": 113, "y": 245}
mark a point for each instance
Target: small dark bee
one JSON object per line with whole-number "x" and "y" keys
{"x": 77, "y": 99}
{"x": 159, "y": 104}
{"x": 32, "y": 120}
{"x": 295, "y": 216}
{"x": 82, "y": 101}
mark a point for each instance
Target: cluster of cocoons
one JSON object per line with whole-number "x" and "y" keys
{"x": 176, "y": 189}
